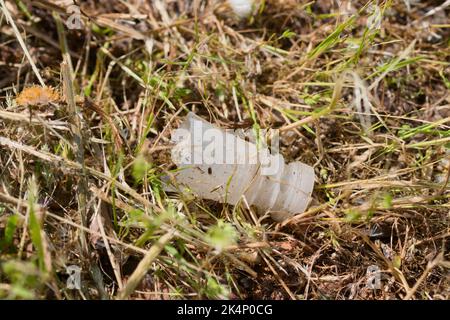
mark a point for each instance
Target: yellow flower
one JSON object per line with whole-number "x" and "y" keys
{"x": 36, "y": 95}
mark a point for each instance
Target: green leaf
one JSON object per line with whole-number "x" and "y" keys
{"x": 140, "y": 168}
{"x": 331, "y": 40}
{"x": 215, "y": 290}
{"x": 35, "y": 224}
{"x": 387, "y": 201}
{"x": 11, "y": 226}
{"x": 222, "y": 235}
{"x": 287, "y": 34}
{"x": 397, "y": 262}
{"x": 352, "y": 216}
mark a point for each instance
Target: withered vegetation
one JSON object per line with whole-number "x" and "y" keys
{"x": 358, "y": 89}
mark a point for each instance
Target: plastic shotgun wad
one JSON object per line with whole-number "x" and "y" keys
{"x": 222, "y": 165}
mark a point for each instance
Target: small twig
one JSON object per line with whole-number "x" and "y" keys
{"x": 143, "y": 266}
{"x": 429, "y": 267}
{"x": 112, "y": 260}
{"x": 63, "y": 41}
{"x": 36, "y": 120}
{"x": 78, "y": 147}
{"x": 437, "y": 9}
{"x": 277, "y": 276}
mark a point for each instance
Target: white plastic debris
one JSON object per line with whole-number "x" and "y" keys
{"x": 217, "y": 164}
{"x": 242, "y": 8}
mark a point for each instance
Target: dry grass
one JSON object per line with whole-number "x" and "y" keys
{"x": 367, "y": 105}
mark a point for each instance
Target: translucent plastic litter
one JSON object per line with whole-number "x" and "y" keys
{"x": 218, "y": 164}
{"x": 242, "y": 8}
